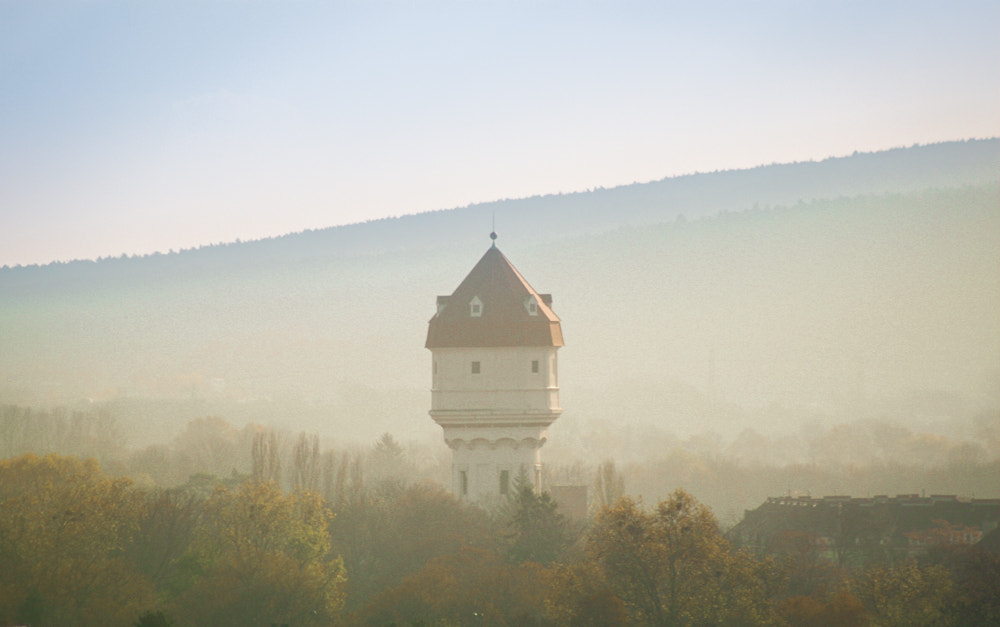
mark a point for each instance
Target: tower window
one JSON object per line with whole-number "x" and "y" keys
{"x": 504, "y": 482}
{"x": 534, "y": 366}
{"x": 531, "y": 305}
{"x": 475, "y": 367}
{"x": 463, "y": 483}
{"x": 475, "y": 307}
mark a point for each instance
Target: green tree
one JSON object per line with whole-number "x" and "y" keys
{"x": 387, "y": 461}
{"x": 537, "y": 531}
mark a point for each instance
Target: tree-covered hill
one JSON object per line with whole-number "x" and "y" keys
{"x": 857, "y": 286}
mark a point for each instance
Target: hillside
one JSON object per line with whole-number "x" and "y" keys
{"x": 545, "y": 218}
{"x": 852, "y": 287}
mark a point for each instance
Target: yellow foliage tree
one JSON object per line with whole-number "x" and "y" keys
{"x": 472, "y": 586}
{"x": 262, "y": 557}
{"x": 905, "y": 595}
{"x": 64, "y": 525}
{"x": 671, "y": 566}
{"x": 579, "y": 595}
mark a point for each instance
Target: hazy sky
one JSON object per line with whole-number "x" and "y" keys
{"x": 131, "y": 127}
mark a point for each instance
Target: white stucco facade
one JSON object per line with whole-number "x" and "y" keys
{"x": 495, "y": 406}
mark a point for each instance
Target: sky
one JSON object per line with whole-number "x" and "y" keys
{"x": 131, "y": 127}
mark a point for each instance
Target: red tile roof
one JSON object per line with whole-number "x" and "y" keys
{"x": 505, "y": 320}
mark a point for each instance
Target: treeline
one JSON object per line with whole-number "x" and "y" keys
{"x": 81, "y": 547}
{"x": 60, "y": 430}
{"x": 861, "y": 458}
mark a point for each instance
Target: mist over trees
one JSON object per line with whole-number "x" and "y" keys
{"x": 866, "y": 298}
{"x": 376, "y": 545}
{"x": 239, "y": 433}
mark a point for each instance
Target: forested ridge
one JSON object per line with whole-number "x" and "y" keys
{"x": 852, "y": 307}
{"x": 838, "y": 310}
{"x": 556, "y": 216}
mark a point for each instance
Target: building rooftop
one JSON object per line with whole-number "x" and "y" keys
{"x": 891, "y": 521}
{"x": 494, "y": 306}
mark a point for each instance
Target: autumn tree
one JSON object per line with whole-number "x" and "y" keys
{"x": 472, "y": 586}
{"x": 904, "y": 595}
{"x": 579, "y": 595}
{"x": 976, "y": 576}
{"x": 169, "y": 523}
{"x": 837, "y": 609}
{"x": 672, "y": 566}
{"x": 64, "y": 525}
{"x": 942, "y": 541}
{"x": 262, "y": 557}
{"x": 808, "y": 573}
{"x": 389, "y": 531}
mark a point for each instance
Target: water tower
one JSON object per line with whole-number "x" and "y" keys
{"x": 495, "y": 387}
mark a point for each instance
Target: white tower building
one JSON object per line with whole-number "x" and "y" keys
{"x": 495, "y": 384}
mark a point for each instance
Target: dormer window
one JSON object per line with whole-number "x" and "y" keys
{"x": 531, "y": 305}
{"x": 442, "y": 301}
{"x": 475, "y": 307}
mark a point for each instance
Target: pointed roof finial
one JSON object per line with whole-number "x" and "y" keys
{"x": 493, "y": 236}
{"x": 493, "y": 231}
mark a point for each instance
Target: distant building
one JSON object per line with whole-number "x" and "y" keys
{"x": 861, "y": 529}
{"x": 495, "y": 387}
